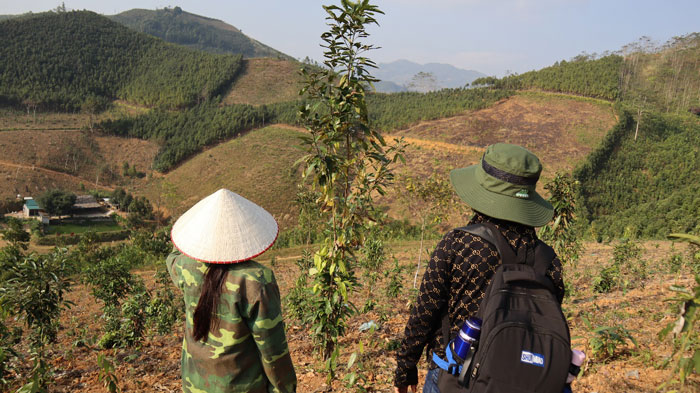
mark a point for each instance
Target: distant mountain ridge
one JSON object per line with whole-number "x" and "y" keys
{"x": 195, "y": 31}
{"x": 402, "y": 72}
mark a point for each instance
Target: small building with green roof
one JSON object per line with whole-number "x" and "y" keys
{"x": 31, "y": 208}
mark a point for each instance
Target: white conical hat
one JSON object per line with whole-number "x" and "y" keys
{"x": 224, "y": 228}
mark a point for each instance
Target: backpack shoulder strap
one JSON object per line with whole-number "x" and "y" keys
{"x": 491, "y": 234}
{"x": 544, "y": 255}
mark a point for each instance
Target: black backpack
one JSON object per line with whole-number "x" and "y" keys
{"x": 525, "y": 345}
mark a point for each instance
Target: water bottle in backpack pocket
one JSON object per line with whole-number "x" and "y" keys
{"x": 458, "y": 353}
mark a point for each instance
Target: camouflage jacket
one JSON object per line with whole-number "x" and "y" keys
{"x": 248, "y": 350}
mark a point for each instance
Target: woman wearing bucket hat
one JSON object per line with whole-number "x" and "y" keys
{"x": 501, "y": 191}
{"x": 234, "y": 335}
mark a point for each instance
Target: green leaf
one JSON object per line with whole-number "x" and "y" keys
{"x": 352, "y": 359}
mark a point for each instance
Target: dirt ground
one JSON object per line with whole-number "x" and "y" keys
{"x": 641, "y": 309}
{"x": 561, "y": 130}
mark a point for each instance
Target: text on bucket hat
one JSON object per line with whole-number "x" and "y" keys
{"x": 224, "y": 228}
{"x": 503, "y": 184}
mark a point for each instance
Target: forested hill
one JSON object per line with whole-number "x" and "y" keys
{"x": 597, "y": 78}
{"x": 195, "y": 31}
{"x": 643, "y": 180}
{"x": 644, "y": 186}
{"x": 81, "y": 60}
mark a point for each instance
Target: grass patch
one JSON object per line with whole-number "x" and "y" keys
{"x": 75, "y": 228}
{"x": 546, "y": 96}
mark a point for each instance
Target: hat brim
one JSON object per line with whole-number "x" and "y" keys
{"x": 534, "y": 211}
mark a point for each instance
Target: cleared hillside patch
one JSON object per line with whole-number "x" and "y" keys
{"x": 31, "y": 181}
{"x": 265, "y": 81}
{"x": 37, "y": 160}
{"x": 561, "y": 130}
{"x": 258, "y": 165}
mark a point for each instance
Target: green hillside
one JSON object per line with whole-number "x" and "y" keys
{"x": 81, "y": 60}
{"x": 598, "y": 78}
{"x": 182, "y": 134}
{"x": 195, "y": 31}
{"x": 399, "y": 110}
{"x": 646, "y": 187}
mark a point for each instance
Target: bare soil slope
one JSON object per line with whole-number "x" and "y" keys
{"x": 560, "y": 129}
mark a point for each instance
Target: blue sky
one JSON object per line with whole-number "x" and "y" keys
{"x": 490, "y": 36}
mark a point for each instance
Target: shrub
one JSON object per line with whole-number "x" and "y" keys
{"x": 165, "y": 308}
{"x": 675, "y": 263}
{"x": 607, "y": 340}
{"x": 35, "y": 293}
{"x": 109, "y": 280}
{"x": 7, "y": 352}
{"x": 106, "y": 375}
{"x": 14, "y": 233}
{"x": 297, "y": 303}
{"x": 685, "y": 332}
{"x": 157, "y": 243}
{"x": 627, "y": 270}
{"x": 69, "y": 240}
{"x": 686, "y": 343}
{"x": 126, "y": 326}
{"x": 562, "y": 233}
{"x": 607, "y": 280}
{"x": 395, "y": 284}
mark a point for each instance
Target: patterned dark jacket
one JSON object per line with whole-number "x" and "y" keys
{"x": 458, "y": 273}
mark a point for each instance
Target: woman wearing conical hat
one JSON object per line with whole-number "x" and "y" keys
{"x": 234, "y": 334}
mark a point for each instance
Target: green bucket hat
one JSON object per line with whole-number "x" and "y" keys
{"x": 502, "y": 185}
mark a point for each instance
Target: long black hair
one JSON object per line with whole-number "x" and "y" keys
{"x": 205, "y": 312}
